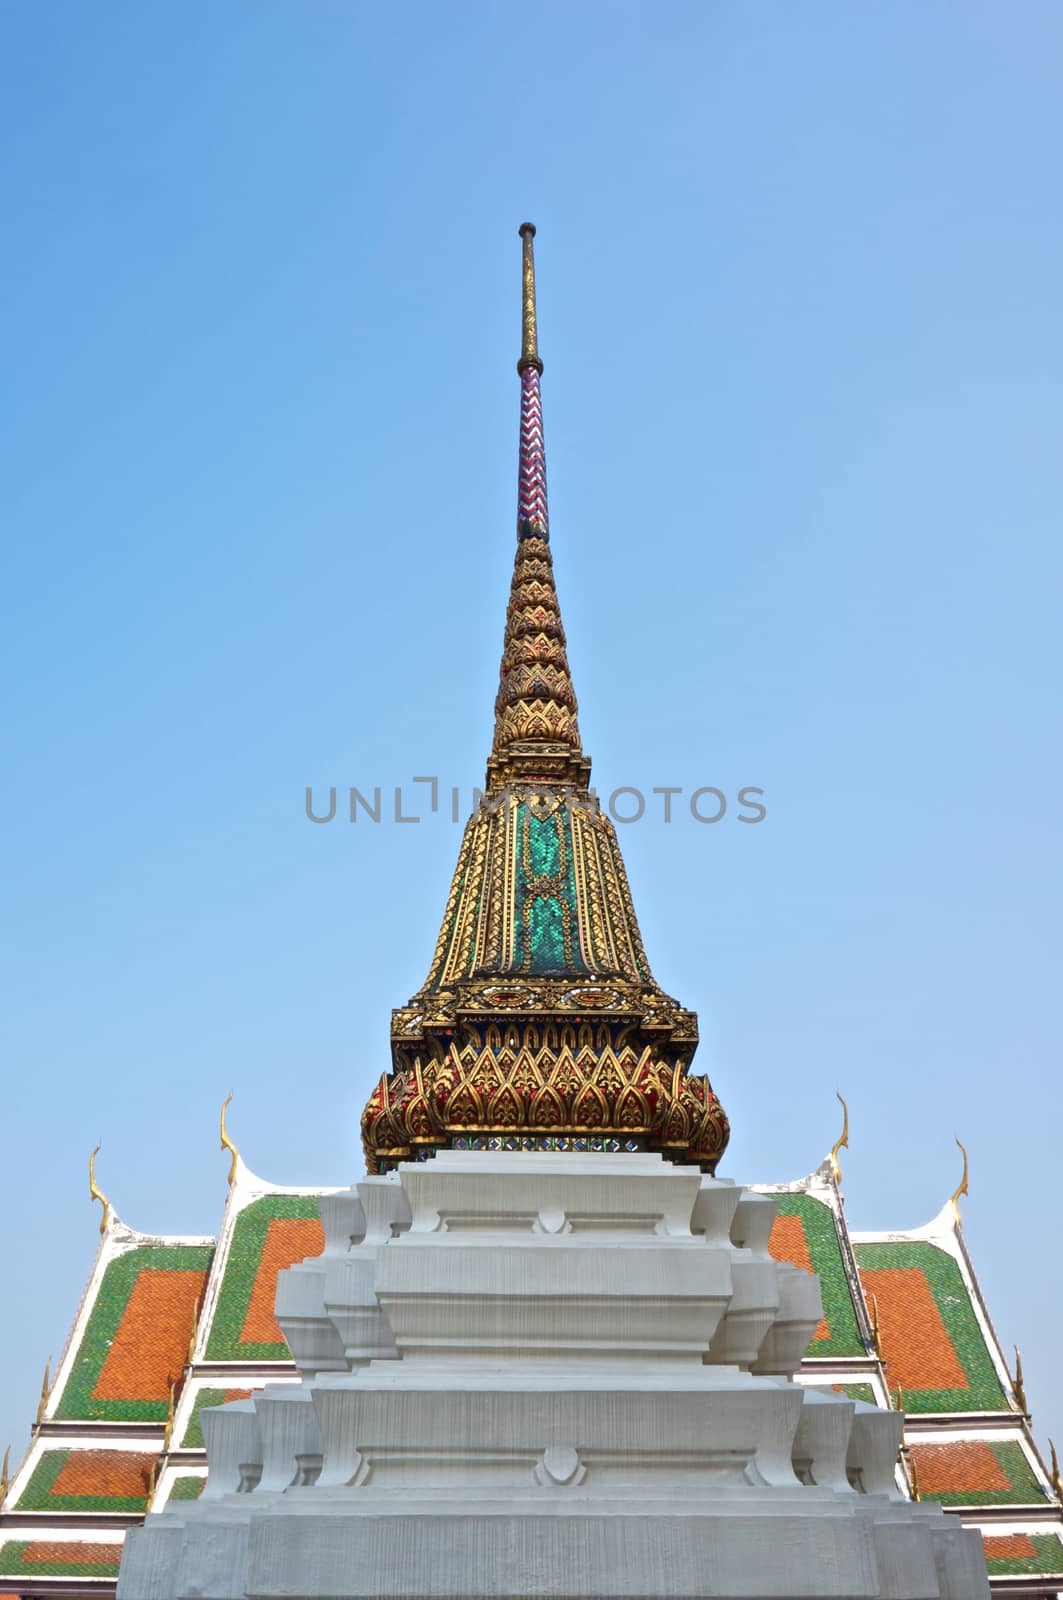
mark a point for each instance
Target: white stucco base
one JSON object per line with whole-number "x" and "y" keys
{"x": 562, "y": 1376}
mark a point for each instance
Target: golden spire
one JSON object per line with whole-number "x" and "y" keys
{"x": 539, "y": 943}
{"x": 96, "y": 1193}
{"x": 171, "y": 1415}
{"x": 1018, "y": 1385}
{"x": 913, "y": 1476}
{"x": 5, "y": 1475}
{"x": 1057, "y": 1486}
{"x": 226, "y": 1142}
{"x": 529, "y": 341}
{"x": 962, "y": 1188}
{"x": 876, "y": 1328}
{"x": 841, "y": 1143}
{"x": 46, "y": 1384}
{"x": 536, "y": 726}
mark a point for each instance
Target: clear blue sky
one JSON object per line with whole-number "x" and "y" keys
{"x": 800, "y": 273}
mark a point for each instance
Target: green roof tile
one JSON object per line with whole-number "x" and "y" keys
{"x": 824, "y": 1252}
{"x": 228, "y": 1339}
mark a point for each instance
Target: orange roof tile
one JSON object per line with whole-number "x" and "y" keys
{"x": 47, "y": 1550}
{"x": 288, "y": 1239}
{"x": 149, "y": 1348}
{"x": 918, "y": 1351}
{"x": 789, "y": 1242}
{"x": 958, "y": 1468}
{"x": 104, "y": 1473}
{"x": 1009, "y": 1547}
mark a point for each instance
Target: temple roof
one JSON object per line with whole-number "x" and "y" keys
{"x": 91, "y": 1473}
{"x": 937, "y": 1339}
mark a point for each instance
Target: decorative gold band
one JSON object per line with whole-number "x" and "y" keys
{"x": 529, "y": 344}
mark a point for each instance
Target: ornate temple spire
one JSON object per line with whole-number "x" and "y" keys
{"x": 540, "y": 1025}
{"x": 536, "y": 728}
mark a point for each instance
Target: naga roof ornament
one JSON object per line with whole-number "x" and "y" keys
{"x": 540, "y": 1024}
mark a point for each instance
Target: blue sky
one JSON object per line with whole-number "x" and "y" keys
{"x": 799, "y": 308}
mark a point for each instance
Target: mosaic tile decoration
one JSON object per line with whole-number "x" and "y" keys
{"x": 189, "y": 1487}
{"x": 88, "y": 1480}
{"x": 975, "y": 1472}
{"x": 193, "y": 1435}
{"x": 933, "y": 1345}
{"x": 270, "y": 1234}
{"x": 59, "y": 1558}
{"x": 1023, "y": 1554}
{"x": 137, "y": 1335}
{"x": 804, "y": 1234}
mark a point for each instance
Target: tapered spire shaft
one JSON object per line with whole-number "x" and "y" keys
{"x": 533, "y": 517}
{"x": 536, "y": 731}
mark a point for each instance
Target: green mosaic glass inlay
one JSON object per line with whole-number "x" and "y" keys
{"x": 946, "y": 1285}
{"x": 544, "y": 844}
{"x": 241, "y": 1268}
{"x": 546, "y": 931}
{"x": 1047, "y": 1557}
{"x": 77, "y": 1402}
{"x": 14, "y": 1564}
{"x": 546, "y": 936}
{"x": 826, "y": 1256}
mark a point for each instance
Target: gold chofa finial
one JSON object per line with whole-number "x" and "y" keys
{"x": 96, "y": 1192}
{"x": 5, "y": 1475}
{"x": 876, "y": 1326}
{"x": 1017, "y": 1385}
{"x": 46, "y": 1387}
{"x": 1056, "y": 1485}
{"x": 529, "y": 342}
{"x": 963, "y": 1187}
{"x": 841, "y": 1143}
{"x": 226, "y": 1142}
{"x": 913, "y": 1475}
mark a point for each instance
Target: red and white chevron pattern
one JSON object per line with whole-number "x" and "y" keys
{"x": 533, "y": 519}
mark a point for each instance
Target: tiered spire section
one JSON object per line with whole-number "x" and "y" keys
{"x": 540, "y": 1025}
{"x": 536, "y": 729}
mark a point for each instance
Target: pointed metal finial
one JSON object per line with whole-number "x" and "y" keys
{"x": 226, "y": 1142}
{"x": 96, "y": 1193}
{"x": 46, "y": 1388}
{"x": 913, "y": 1476}
{"x": 1056, "y": 1485}
{"x": 876, "y": 1329}
{"x": 963, "y": 1187}
{"x": 529, "y": 342}
{"x": 1017, "y": 1383}
{"x": 171, "y": 1415}
{"x": 5, "y": 1475}
{"x": 842, "y": 1143}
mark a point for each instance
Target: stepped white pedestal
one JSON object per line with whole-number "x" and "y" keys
{"x": 549, "y": 1375}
